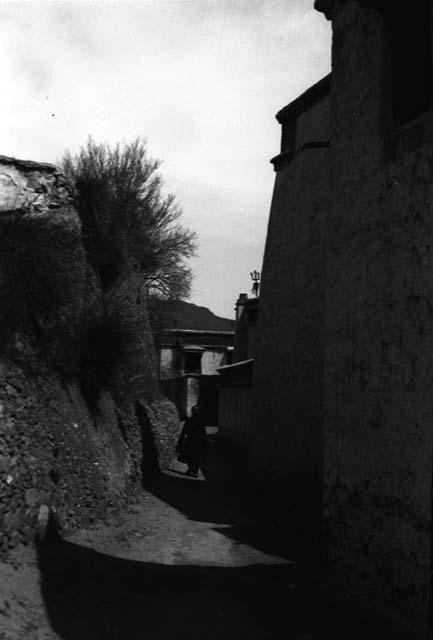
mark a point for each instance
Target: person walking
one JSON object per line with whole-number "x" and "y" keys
{"x": 191, "y": 446}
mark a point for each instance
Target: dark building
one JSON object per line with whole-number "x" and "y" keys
{"x": 378, "y": 370}
{"x": 235, "y": 381}
{"x": 343, "y": 370}
{"x": 286, "y": 435}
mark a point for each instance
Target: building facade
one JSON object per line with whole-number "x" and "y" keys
{"x": 188, "y": 362}
{"x": 378, "y": 368}
{"x": 286, "y": 436}
{"x": 343, "y": 370}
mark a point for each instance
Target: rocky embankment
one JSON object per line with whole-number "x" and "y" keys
{"x": 81, "y": 415}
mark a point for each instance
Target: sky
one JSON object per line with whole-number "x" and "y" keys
{"x": 202, "y": 80}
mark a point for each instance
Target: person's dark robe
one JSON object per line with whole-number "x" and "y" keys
{"x": 191, "y": 446}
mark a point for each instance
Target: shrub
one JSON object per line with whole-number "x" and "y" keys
{"x": 126, "y": 218}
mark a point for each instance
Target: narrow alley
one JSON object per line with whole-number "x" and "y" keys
{"x": 191, "y": 558}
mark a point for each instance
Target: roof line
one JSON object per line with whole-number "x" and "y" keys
{"x": 235, "y": 364}
{"x": 306, "y": 99}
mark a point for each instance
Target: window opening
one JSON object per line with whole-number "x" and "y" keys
{"x": 192, "y": 362}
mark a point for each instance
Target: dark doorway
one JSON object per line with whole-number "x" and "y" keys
{"x": 209, "y": 399}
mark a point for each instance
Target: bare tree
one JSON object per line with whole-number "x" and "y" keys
{"x": 127, "y": 221}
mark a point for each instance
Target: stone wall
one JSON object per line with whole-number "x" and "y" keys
{"x": 379, "y": 337}
{"x": 285, "y": 439}
{"x": 55, "y": 453}
{"x": 82, "y": 459}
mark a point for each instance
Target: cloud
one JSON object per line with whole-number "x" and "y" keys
{"x": 201, "y": 79}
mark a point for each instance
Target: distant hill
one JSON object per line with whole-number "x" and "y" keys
{"x": 185, "y": 315}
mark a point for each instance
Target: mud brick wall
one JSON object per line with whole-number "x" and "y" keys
{"x": 285, "y": 438}
{"x": 379, "y": 337}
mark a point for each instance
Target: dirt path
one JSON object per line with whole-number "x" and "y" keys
{"x": 191, "y": 559}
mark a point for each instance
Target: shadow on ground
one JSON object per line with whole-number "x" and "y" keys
{"x": 247, "y": 519}
{"x": 254, "y": 516}
{"x": 92, "y": 596}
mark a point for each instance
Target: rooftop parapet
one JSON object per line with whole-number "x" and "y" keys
{"x": 328, "y": 7}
